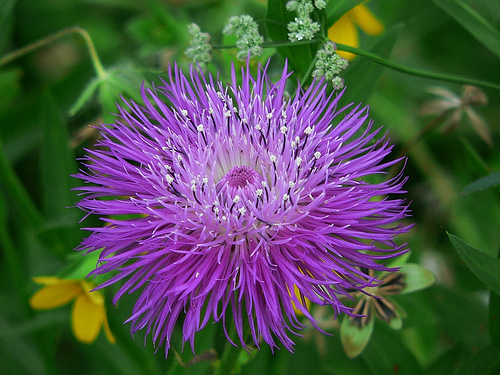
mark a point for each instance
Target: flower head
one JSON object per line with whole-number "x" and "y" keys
{"x": 450, "y": 108}
{"x": 246, "y": 205}
{"x": 88, "y": 314}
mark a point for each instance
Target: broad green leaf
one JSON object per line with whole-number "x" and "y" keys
{"x": 299, "y": 57}
{"x": 362, "y": 75}
{"x": 482, "y": 362}
{"x": 485, "y": 267}
{"x": 416, "y": 278}
{"x": 483, "y": 183}
{"x": 336, "y": 9}
{"x": 354, "y": 339}
{"x": 473, "y": 22}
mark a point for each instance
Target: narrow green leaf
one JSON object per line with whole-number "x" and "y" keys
{"x": 416, "y": 278}
{"x": 336, "y": 9}
{"x": 354, "y": 339}
{"x": 362, "y": 75}
{"x": 485, "y": 267}
{"x": 21, "y": 199}
{"x": 57, "y": 162}
{"x": 299, "y": 57}
{"x": 494, "y": 317}
{"x": 483, "y": 183}
{"x": 6, "y": 22}
{"x": 473, "y": 22}
{"x": 85, "y": 96}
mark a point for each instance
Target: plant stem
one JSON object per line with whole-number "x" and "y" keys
{"x": 389, "y": 64}
{"x": 417, "y": 72}
{"x": 230, "y": 354}
{"x": 53, "y": 37}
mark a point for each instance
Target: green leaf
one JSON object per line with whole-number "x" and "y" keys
{"x": 10, "y": 87}
{"x": 485, "y": 267}
{"x": 483, "y": 183}
{"x": 416, "y": 278}
{"x": 57, "y": 162}
{"x": 299, "y": 57}
{"x": 482, "y": 362}
{"x": 6, "y": 22}
{"x": 362, "y": 75}
{"x": 354, "y": 339}
{"x": 85, "y": 96}
{"x": 473, "y": 22}
{"x": 494, "y": 317}
{"x": 336, "y": 9}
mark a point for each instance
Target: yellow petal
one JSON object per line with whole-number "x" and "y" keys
{"x": 55, "y": 295}
{"x": 107, "y": 330}
{"x": 46, "y": 280}
{"x": 299, "y": 297}
{"x": 95, "y": 296}
{"x": 365, "y": 19}
{"x": 344, "y": 32}
{"x": 86, "y": 319}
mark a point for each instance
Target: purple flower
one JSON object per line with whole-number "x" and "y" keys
{"x": 237, "y": 203}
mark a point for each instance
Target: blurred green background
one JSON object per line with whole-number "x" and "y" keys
{"x": 447, "y": 327}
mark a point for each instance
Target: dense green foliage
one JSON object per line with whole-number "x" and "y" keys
{"x": 52, "y": 92}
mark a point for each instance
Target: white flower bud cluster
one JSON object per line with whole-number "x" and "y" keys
{"x": 330, "y": 65}
{"x": 199, "y": 49}
{"x": 248, "y": 39}
{"x": 303, "y": 27}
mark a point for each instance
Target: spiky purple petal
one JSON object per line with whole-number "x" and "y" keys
{"x": 238, "y": 195}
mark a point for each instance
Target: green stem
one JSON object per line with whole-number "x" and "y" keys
{"x": 18, "y": 193}
{"x": 230, "y": 354}
{"x": 389, "y": 64}
{"x": 417, "y": 72}
{"x": 51, "y": 38}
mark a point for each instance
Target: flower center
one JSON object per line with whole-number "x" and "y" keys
{"x": 241, "y": 176}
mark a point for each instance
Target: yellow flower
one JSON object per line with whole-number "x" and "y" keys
{"x": 88, "y": 314}
{"x": 344, "y": 31}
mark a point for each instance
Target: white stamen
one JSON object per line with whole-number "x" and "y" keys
{"x": 317, "y": 154}
{"x": 308, "y": 130}
{"x": 291, "y": 184}
{"x": 236, "y": 199}
{"x": 242, "y": 210}
{"x": 257, "y": 127}
{"x": 273, "y": 158}
{"x": 200, "y": 128}
{"x": 285, "y": 197}
{"x": 259, "y": 192}
{"x": 184, "y": 112}
{"x": 283, "y": 129}
{"x": 205, "y": 180}
{"x": 298, "y": 161}
{"x": 169, "y": 178}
